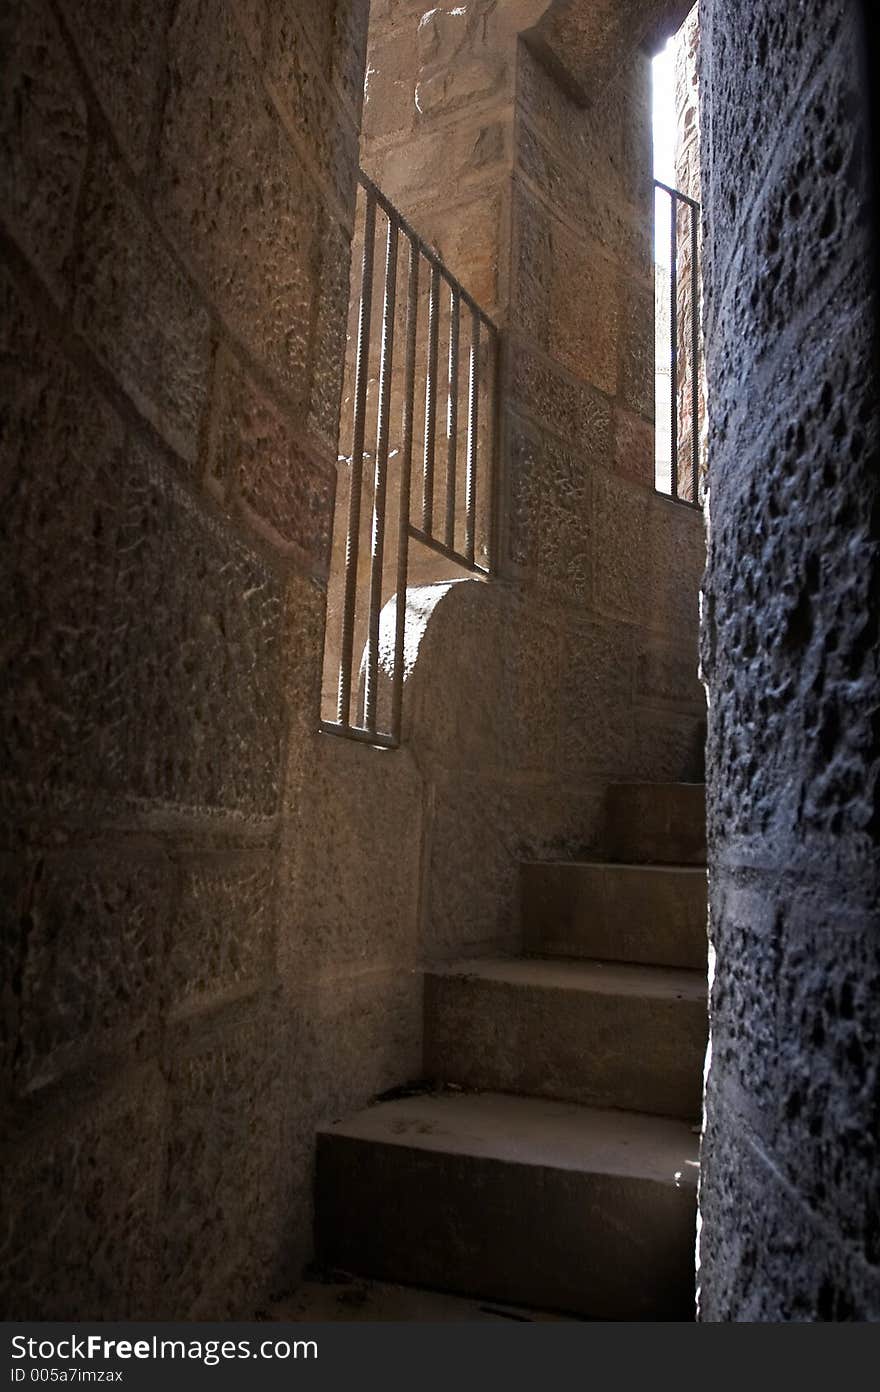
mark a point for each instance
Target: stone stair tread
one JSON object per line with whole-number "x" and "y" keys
{"x": 578, "y": 974}
{"x": 532, "y": 1132}
{"x": 615, "y": 866}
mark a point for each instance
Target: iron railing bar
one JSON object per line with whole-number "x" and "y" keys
{"x": 377, "y": 551}
{"x": 676, "y": 193}
{"x": 431, "y": 402}
{"x": 470, "y": 488}
{"x": 357, "y": 463}
{"x": 452, "y": 417}
{"x": 695, "y": 350}
{"x": 430, "y": 256}
{"x": 406, "y": 460}
{"x": 356, "y": 732}
{"x": 673, "y": 327}
{"x": 495, "y": 480}
{"x": 442, "y": 550}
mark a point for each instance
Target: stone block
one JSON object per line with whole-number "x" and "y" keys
{"x": 122, "y": 45}
{"x": 565, "y": 295}
{"x": 305, "y": 603}
{"x": 209, "y": 692}
{"x": 777, "y": 1264}
{"x": 669, "y": 746}
{"x": 635, "y": 373}
{"x": 563, "y": 404}
{"x": 79, "y": 1207}
{"x": 389, "y": 104}
{"x": 90, "y": 939}
{"x": 221, "y": 938}
{"x": 351, "y": 23}
{"x": 633, "y": 452}
{"x": 787, "y": 954}
{"x": 65, "y": 445}
{"x": 584, "y": 311}
{"x": 184, "y": 706}
{"x": 581, "y": 183}
{"x": 356, "y": 1035}
{"x": 480, "y": 829}
{"x": 235, "y": 198}
{"x": 550, "y": 516}
{"x": 648, "y": 557}
{"x": 597, "y": 730}
{"x": 221, "y": 1189}
{"x": 328, "y": 355}
{"x": 353, "y": 1036}
{"x": 310, "y": 107}
{"x": 453, "y": 1176}
{"x": 261, "y": 468}
{"x": 655, "y": 915}
{"x": 135, "y": 306}
{"x": 433, "y": 161}
{"x": 43, "y": 138}
{"x": 484, "y": 690}
{"x": 352, "y": 876}
{"x": 602, "y": 1034}
{"x": 668, "y": 673}
{"x": 467, "y": 236}
{"x": 460, "y": 62}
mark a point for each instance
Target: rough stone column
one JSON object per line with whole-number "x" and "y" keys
{"x": 790, "y": 1188}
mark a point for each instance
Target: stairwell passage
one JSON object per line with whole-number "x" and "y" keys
{"x": 555, "y": 1163}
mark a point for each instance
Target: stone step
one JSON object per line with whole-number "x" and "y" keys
{"x": 621, "y": 913}
{"x": 604, "y": 1034}
{"x": 656, "y": 822}
{"x": 530, "y": 1202}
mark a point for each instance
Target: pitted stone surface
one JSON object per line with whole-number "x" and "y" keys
{"x": 122, "y": 44}
{"x": 222, "y": 1178}
{"x": 43, "y": 137}
{"x": 259, "y": 465}
{"x": 234, "y": 196}
{"x": 90, "y": 940}
{"x": 789, "y": 1195}
{"x": 134, "y": 304}
{"x": 222, "y": 935}
{"x": 153, "y": 717}
{"x": 90, "y": 1176}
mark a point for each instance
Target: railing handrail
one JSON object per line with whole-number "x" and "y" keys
{"x": 436, "y": 532}
{"x": 426, "y": 250}
{"x": 676, "y": 196}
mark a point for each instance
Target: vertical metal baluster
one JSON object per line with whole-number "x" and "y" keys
{"x": 496, "y": 484}
{"x": 452, "y": 416}
{"x": 695, "y": 349}
{"x": 377, "y": 552}
{"x": 357, "y": 463}
{"x": 431, "y": 402}
{"x": 406, "y": 461}
{"x": 470, "y": 492}
{"x": 673, "y": 326}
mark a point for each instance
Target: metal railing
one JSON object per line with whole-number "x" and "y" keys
{"x": 415, "y": 493}
{"x": 683, "y": 346}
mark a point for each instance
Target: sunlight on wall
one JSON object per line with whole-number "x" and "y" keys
{"x": 664, "y": 130}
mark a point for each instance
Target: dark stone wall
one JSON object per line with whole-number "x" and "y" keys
{"x": 177, "y": 200}
{"x": 790, "y": 1191}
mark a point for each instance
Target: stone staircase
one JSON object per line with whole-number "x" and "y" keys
{"x": 556, "y": 1168}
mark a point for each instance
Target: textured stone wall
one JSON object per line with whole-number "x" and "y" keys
{"x": 215, "y": 916}
{"x": 177, "y": 202}
{"x": 687, "y": 178}
{"x": 790, "y": 1190}
{"x": 577, "y": 665}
